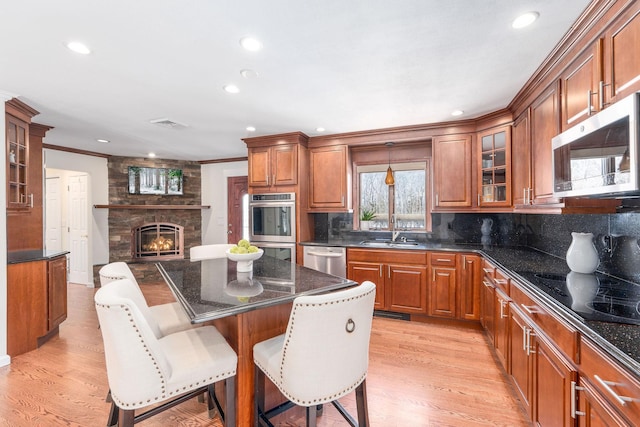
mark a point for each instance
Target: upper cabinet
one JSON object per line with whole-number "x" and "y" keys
{"x": 18, "y": 118}
{"x": 273, "y": 166}
{"x": 545, "y": 124}
{"x": 494, "y": 158}
{"x": 581, "y": 92}
{"x": 276, "y": 162}
{"x": 620, "y": 60}
{"x": 452, "y": 171}
{"x": 329, "y": 181}
{"x": 521, "y": 159}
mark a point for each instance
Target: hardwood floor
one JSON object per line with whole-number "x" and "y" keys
{"x": 433, "y": 374}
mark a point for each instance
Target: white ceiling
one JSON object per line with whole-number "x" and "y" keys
{"x": 345, "y": 65}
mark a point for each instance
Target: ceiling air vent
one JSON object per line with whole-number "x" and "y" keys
{"x": 168, "y": 123}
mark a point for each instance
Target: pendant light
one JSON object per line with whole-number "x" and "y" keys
{"x": 389, "y": 180}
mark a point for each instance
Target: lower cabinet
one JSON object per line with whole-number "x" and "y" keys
{"x": 36, "y": 302}
{"x": 442, "y": 284}
{"x": 469, "y": 283}
{"x": 400, "y": 277}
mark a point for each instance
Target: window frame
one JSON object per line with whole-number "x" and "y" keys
{"x": 380, "y": 166}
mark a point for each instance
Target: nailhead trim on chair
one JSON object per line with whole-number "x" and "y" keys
{"x": 284, "y": 355}
{"x": 165, "y": 394}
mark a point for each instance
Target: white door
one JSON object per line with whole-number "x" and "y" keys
{"x": 79, "y": 230}
{"x": 53, "y": 215}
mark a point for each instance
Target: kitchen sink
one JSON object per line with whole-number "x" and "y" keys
{"x": 387, "y": 243}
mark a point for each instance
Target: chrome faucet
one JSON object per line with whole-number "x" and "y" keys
{"x": 394, "y": 233}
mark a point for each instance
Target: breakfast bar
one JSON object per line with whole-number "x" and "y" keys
{"x": 246, "y": 307}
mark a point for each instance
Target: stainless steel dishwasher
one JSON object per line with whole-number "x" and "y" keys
{"x": 328, "y": 259}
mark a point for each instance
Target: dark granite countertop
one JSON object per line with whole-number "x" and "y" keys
{"x": 17, "y": 257}
{"x": 524, "y": 264}
{"x": 213, "y": 288}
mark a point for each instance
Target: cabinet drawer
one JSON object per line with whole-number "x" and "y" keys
{"x": 488, "y": 269}
{"x": 564, "y": 336}
{"x": 387, "y": 256}
{"x": 611, "y": 381}
{"x": 502, "y": 281}
{"x": 442, "y": 259}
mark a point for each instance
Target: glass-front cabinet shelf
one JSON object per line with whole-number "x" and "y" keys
{"x": 494, "y": 167}
{"x": 17, "y": 134}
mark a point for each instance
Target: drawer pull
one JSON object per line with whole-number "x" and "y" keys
{"x": 488, "y": 270}
{"x": 501, "y": 281}
{"x": 443, "y": 260}
{"x": 487, "y": 284}
{"x": 574, "y": 400}
{"x": 622, "y": 400}
{"x": 531, "y": 309}
{"x": 503, "y": 303}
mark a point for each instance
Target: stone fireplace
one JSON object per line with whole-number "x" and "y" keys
{"x": 128, "y": 212}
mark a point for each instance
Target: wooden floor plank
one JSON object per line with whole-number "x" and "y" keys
{"x": 420, "y": 374}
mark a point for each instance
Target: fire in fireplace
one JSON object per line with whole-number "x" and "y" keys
{"x": 157, "y": 241}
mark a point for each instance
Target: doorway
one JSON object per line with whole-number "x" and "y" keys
{"x": 67, "y": 225}
{"x": 237, "y": 208}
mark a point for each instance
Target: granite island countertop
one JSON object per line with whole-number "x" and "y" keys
{"x": 524, "y": 264}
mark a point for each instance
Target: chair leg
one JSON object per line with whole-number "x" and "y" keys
{"x": 126, "y": 418}
{"x": 230, "y": 405}
{"x": 361, "y": 404}
{"x": 113, "y": 414}
{"x": 311, "y": 416}
{"x": 108, "y": 398}
{"x": 258, "y": 397}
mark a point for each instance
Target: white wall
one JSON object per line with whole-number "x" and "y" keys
{"x": 214, "y": 193}
{"x": 96, "y": 168}
{"x": 4, "y": 357}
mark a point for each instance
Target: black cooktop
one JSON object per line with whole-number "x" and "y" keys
{"x": 592, "y": 296}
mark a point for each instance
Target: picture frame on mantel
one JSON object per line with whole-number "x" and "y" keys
{"x": 157, "y": 181}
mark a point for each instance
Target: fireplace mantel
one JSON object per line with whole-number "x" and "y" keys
{"x": 153, "y": 207}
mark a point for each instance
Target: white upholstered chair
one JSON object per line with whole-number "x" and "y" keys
{"x": 169, "y": 317}
{"x": 145, "y": 370}
{"x": 200, "y": 252}
{"x": 322, "y": 356}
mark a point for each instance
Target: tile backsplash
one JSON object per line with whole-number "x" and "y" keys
{"x": 615, "y": 235}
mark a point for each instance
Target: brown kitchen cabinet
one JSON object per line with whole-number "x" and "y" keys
{"x": 521, "y": 160}
{"x": 469, "y": 282}
{"x": 452, "y": 171}
{"x": 610, "y": 392}
{"x": 494, "y": 166}
{"x": 329, "y": 181}
{"x": 400, "y": 277}
{"x": 36, "y": 302}
{"x": 17, "y": 120}
{"x": 580, "y": 87}
{"x": 270, "y": 167}
{"x": 443, "y": 284}
{"x": 621, "y": 69}
{"x": 487, "y": 300}
{"x": 545, "y": 124}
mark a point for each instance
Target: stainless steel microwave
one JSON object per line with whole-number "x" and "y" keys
{"x": 599, "y": 156}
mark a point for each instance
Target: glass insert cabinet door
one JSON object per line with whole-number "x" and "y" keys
{"x": 494, "y": 167}
{"x": 17, "y": 137}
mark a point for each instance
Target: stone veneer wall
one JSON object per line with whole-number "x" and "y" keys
{"x": 121, "y": 221}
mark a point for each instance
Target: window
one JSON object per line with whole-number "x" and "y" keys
{"x": 406, "y": 200}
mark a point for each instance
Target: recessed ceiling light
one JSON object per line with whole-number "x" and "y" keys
{"x": 320, "y": 129}
{"x": 151, "y": 154}
{"x": 251, "y": 44}
{"x": 251, "y": 129}
{"x": 104, "y": 141}
{"x": 248, "y": 74}
{"x": 457, "y": 113}
{"x": 231, "y": 88}
{"x": 525, "y": 19}
{"x": 78, "y": 47}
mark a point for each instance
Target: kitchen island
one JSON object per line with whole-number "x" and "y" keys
{"x": 246, "y": 307}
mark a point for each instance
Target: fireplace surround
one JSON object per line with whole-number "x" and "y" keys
{"x": 157, "y": 241}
